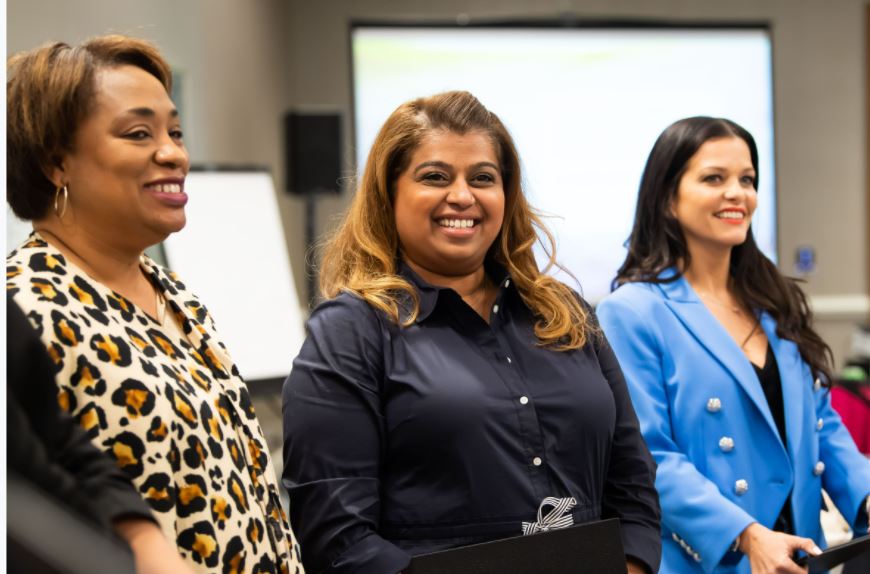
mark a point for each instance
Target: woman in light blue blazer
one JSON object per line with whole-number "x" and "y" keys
{"x": 728, "y": 377}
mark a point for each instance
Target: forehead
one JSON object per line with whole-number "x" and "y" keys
{"x": 728, "y": 151}
{"x": 453, "y": 147}
{"x": 119, "y": 88}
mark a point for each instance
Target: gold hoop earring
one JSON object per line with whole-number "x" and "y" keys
{"x": 60, "y": 212}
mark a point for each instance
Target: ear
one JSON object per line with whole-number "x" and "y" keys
{"x": 672, "y": 206}
{"x": 56, "y": 171}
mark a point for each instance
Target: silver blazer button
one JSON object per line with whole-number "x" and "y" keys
{"x": 820, "y": 424}
{"x": 817, "y": 384}
{"x": 726, "y": 443}
{"x": 819, "y": 468}
{"x": 740, "y": 487}
{"x": 714, "y": 405}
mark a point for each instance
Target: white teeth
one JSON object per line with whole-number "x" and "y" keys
{"x": 456, "y": 223}
{"x": 167, "y": 187}
{"x": 730, "y": 215}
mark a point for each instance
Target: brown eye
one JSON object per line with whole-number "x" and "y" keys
{"x": 434, "y": 177}
{"x": 137, "y": 135}
{"x": 484, "y": 178}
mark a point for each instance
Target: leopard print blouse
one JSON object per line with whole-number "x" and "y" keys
{"x": 168, "y": 405}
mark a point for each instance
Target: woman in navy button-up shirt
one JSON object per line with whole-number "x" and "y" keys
{"x": 447, "y": 386}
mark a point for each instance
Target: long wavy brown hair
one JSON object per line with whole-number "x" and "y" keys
{"x": 361, "y": 256}
{"x": 657, "y": 242}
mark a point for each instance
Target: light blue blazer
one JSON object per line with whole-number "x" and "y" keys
{"x": 721, "y": 463}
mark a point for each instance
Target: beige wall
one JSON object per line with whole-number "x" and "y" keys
{"x": 246, "y": 61}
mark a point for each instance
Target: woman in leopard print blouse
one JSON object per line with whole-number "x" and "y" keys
{"x": 96, "y": 161}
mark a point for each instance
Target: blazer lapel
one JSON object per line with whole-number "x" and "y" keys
{"x": 710, "y": 334}
{"x": 792, "y": 377}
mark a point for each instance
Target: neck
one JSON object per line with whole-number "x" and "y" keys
{"x": 474, "y": 288}
{"x": 113, "y": 265}
{"x": 709, "y": 271}
{"x": 468, "y": 286}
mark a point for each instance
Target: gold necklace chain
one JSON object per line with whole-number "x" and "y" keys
{"x": 736, "y": 310}
{"x": 707, "y": 297}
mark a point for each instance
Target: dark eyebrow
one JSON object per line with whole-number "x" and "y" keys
{"x": 149, "y": 113}
{"x": 448, "y": 167}
{"x": 438, "y": 164}
{"x": 486, "y": 164}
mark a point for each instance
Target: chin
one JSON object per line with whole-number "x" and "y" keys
{"x": 160, "y": 231}
{"x": 173, "y": 226}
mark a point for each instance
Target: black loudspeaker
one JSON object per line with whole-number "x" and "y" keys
{"x": 313, "y": 152}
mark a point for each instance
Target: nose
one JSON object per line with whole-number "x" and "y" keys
{"x": 734, "y": 190}
{"x": 171, "y": 153}
{"x": 460, "y": 194}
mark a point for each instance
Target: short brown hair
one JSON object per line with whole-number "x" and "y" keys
{"x": 360, "y": 257}
{"x": 49, "y": 91}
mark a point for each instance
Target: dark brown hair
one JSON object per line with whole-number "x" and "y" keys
{"x": 49, "y": 91}
{"x": 657, "y": 243}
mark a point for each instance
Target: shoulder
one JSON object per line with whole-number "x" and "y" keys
{"x": 344, "y": 314}
{"x": 345, "y": 335}
{"x": 38, "y": 278}
{"x": 632, "y": 296}
{"x": 633, "y": 310}
{"x": 34, "y": 258}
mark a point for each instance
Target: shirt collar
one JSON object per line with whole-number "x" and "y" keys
{"x": 429, "y": 294}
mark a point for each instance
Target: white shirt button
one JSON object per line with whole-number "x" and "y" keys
{"x": 819, "y": 468}
{"x": 495, "y": 308}
{"x": 537, "y": 461}
{"x": 820, "y": 424}
{"x": 726, "y": 444}
{"x": 507, "y": 282}
{"x": 740, "y": 487}
{"x": 714, "y": 405}
{"x": 524, "y": 400}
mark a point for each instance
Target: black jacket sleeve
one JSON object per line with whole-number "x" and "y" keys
{"x": 46, "y": 447}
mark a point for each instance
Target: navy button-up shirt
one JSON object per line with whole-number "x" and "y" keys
{"x": 405, "y": 440}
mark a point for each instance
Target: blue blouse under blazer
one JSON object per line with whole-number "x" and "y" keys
{"x": 693, "y": 390}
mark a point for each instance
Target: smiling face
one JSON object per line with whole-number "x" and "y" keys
{"x": 716, "y": 196}
{"x": 449, "y": 203}
{"x": 126, "y": 171}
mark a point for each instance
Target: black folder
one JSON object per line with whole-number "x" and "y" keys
{"x": 836, "y": 555}
{"x": 593, "y": 548}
